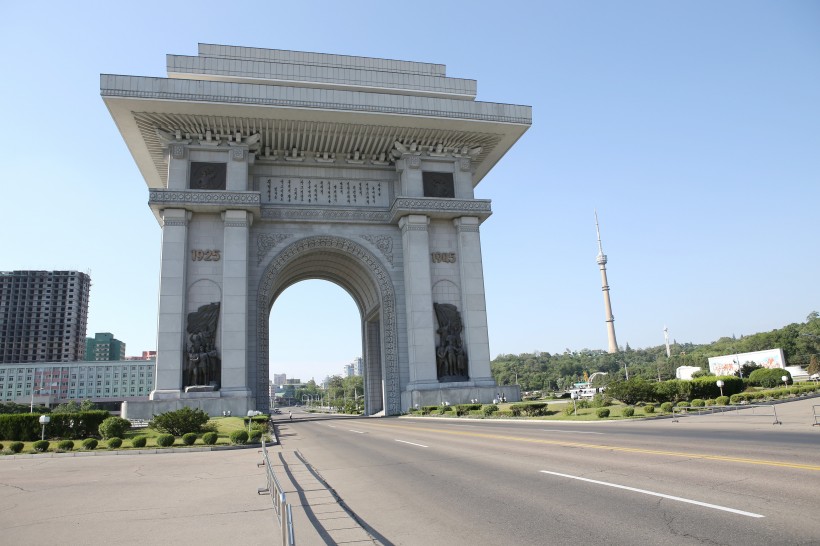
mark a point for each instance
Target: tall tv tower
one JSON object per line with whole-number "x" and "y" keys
{"x": 610, "y": 320}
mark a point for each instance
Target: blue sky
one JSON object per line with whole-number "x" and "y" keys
{"x": 692, "y": 127}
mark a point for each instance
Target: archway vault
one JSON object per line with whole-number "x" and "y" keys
{"x": 355, "y": 269}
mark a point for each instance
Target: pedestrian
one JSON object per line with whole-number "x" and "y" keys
{"x": 290, "y": 415}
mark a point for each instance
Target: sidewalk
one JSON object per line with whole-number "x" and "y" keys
{"x": 319, "y": 517}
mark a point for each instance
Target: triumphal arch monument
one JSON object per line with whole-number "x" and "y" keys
{"x": 267, "y": 167}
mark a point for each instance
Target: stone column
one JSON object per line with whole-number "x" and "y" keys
{"x": 473, "y": 304}
{"x": 171, "y": 339}
{"x": 234, "y": 311}
{"x": 418, "y": 296}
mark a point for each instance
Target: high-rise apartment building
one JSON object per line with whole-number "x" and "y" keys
{"x": 43, "y": 316}
{"x": 280, "y": 378}
{"x": 103, "y": 347}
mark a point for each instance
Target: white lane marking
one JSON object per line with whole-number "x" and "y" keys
{"x": 412, "y": 444}
{"x": 331, "y": 426}
{"x": 572, "y": 431}
{"x": 356, "y": 431}
{"x": 670, "y": 497}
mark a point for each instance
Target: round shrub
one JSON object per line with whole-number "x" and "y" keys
{"x": 769, "y": 377}
{"x": 189, "y": 439}
{"x": 666, "y": 407}
{"x": 255, "y": 437}
{"x": 569, "y": 409}
{"x": 165, "y": 440}
{"x": 40, "y": 446}
{"x": 489, "y": 409}
{"x": 16, "y": 447}
{"x": 683, "y": 404}
{"x": 209, "y": 438}
{"x": 114, "y": 427}
{"x": 698, "y": 403}
{"x": 114, "y": 443}
{"x": 710, "y": 402}
{"x": 649, "y": 408}
{"x": 602, "y": 412}
{"x": 90, "y": 444}
{"x": 738, "y": 398}
{"x": 239, "y": 437}
{"x": 2, "y": 447}
{"x": 139, "y": 441}
{"x": 628, "y": 411}
{"x": 65, "y": 445}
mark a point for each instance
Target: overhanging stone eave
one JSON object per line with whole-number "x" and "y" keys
{"x": 123, "y": 109}
{"x": 440, "y": 208}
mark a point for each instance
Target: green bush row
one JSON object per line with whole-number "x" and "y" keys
{"x": 676, "y": 390}
{"x": 73, "y": 426}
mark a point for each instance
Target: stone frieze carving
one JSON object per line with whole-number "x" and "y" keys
{"x": 265, "y": 242}
{"x": 181, "y": 197}
{"x": 384, "y": 243}
{"x": 336, "y": 215}
{"x": 451, "y": 356}
{"x": 203, "y": 366}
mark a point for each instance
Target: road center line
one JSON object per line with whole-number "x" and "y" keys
{"x": 572, "y": 431}
{"x": 654, "y": 494}
{"x": 412, "y": 444}
{"x": 356, "y": 431}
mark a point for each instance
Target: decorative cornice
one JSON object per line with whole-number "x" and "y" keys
{"x": 237, "y": 223}
{"x": 198, "y": 197}
{"x": 440, "y": 208}
{"x": 387, "y": 300}
{"x": 174, "y": 222}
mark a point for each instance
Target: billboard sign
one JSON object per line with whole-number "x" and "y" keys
{"x": 730, "y": 364}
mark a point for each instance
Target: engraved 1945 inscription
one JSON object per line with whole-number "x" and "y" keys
{"x": 444, "y": 257}
{"x": 206, "y": 255}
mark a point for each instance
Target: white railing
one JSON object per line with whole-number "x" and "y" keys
{"x": 816, "y": 415}
{"x": 284, "y": 515}
{"x": 746, "y": 410}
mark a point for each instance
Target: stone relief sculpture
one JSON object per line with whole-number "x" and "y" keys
{"x": 451, "y": 357}
{"x": 203, "y": 366}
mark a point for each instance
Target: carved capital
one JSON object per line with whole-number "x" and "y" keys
{"x": 413, "y": 162}
{"x": 177, "y": 151}
{"x": 238, "y": 153}
{"x": 465, "y": 164}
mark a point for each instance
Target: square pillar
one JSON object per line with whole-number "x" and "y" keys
{"x": 172, "y": 289}
{"x": 421, "y": 349}
{"x": 234, "y": 319}
{"x": 473, "y": 304}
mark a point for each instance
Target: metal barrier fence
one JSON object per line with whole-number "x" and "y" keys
{"x": 284, "y": 515}
{"x": 816, "y": 415}
{"x": 746, "y": 410}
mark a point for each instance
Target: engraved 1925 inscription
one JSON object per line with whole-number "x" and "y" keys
{"x": 444, "y": 257}
{"x": 206, "y": 255}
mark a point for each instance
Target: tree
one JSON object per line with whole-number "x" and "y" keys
{"x": 814, "y": 366}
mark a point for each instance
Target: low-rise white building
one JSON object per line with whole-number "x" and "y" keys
{"x": 56, "y": 382}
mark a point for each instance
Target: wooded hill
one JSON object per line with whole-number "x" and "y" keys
{"x": 544, "y": 371}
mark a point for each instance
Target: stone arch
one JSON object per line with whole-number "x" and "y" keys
{"x": 355, "y": 269}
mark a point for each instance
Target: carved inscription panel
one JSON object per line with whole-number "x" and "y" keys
{"x": 206, "y": 255}
{"x": 323, "y": 191}
{"x": 208, "y": 176}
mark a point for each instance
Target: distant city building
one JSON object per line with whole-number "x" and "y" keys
{"x": 146, "y": 355}
{"x": 280, "y": 378}
{"x": 354, "y": 368}
{"x": 293, "y": 382}
{"x": 104, "y": 347}
{"x": 56, "y": 382}
{"x": 43, "y": 316}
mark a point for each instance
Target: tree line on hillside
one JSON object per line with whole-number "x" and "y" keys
{"x": 541, "y": 371}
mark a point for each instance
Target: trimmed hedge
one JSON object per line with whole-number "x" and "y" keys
{"x": 65, "y": 445}
{"x": 210, "y": 438}
{"x": 26, "y": 427}
{"x": 139, "y": 441}
{"x": 666, "y": 407}
{"x": 628, "y": 411}
{"x": 40, "y": 446}
{"x": 769, "y": 377}
{"x": 239, "y": 437}
{"x": 722, "y": 400}
{"x": 16, "y": 447}
{"x": 165, "y": 440}
{"x": 489, "y": 409}
{"x": 90, "y": 444}
{"x": 255, "y": 436}
{"x": 649, "y": 408}
{"x": 182, "y": 421}
{"x": 189, "y": 439}
{"x": 602, "y": 413}
{"x": 530, "y": 409}
{"x": 114, "y": 443}
{"x": 114, "y": 427}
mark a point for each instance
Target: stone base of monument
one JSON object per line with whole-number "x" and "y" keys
{"x": 212, "y": 402}
{"x": 200, "y": 388}
{"x": 453, "y": 393}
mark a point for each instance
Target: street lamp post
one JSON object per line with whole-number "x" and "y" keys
{"x": 720, "y": 386}
{"x": 785, "y": 380}
{"x": 44, "y": 420}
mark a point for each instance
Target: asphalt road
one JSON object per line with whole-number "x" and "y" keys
{"x": 703, "y": 480}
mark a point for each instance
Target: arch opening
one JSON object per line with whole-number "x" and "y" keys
{"x": 348, "y": 265}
